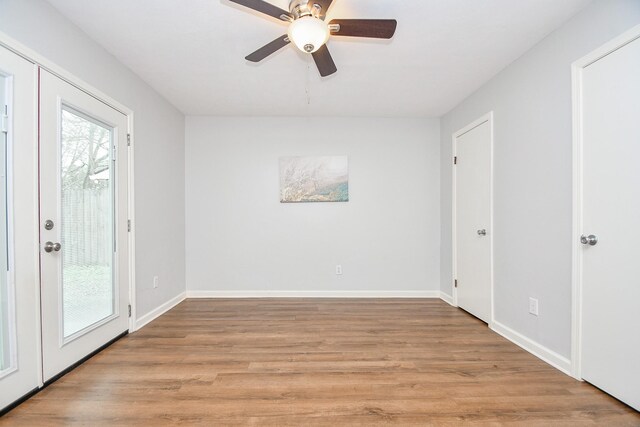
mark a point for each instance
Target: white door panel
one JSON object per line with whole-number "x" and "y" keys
{"x": 83, "y": 192}
{"x": 473, "y": 220}
{"x": 19, "y": 288}
{"x": 611, "y": 211}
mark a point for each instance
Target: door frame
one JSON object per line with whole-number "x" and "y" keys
{"x": 577, "y": 69}
{"x": 45, "y": 64}
{"x": 488, "y": 117}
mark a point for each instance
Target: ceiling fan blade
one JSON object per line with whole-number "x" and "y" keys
{"x": 324, "y": 6}
{"x": 264, "y": 7}
{"x": 324, "y": 61}
{"x": 372, "y": 28}
{"x": 268, "y": 49}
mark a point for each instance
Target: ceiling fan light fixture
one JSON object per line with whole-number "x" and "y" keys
{"x": 308, "y": 33}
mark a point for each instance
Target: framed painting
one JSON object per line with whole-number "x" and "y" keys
{"x": 314, "y": 179}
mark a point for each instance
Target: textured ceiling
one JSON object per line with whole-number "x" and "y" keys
{"x": 192, "y": 52}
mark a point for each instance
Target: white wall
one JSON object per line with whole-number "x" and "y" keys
{"x": 533, "y": 167}
{"x": 241, "y": 240}
{"x": 159, "y": 141}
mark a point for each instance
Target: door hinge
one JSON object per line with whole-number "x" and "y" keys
{"x": 129, "y": 225}
{"x": 455, "y": 160}
{"x": 4, "y": 126}
{"x": 455, "y": 283}
{"x": 129, "y": 310}
{"x": 129, "y": 139}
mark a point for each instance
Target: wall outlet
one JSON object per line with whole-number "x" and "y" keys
{"x": 339, "y": 270}
{"x": 155, "y": 282}
{"x": 533, "y": 306}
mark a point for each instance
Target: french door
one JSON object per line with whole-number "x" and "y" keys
{"x": 83, "y": 223}
{"x": 19, "y": 288}
{"x": 64, "y": 287}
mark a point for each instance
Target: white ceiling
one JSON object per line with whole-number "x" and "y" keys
{"x": 192, "y": 52}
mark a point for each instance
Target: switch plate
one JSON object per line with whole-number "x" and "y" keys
{"x": 338, "y": 270}
{"x": 155, "y": 282}
{"x": 533, "y": 306}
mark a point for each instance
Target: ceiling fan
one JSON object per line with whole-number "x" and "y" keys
{"x": 309, "y": 32}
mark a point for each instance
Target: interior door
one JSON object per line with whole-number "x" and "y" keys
{"x": 19, "y": 288}
{"x": 473, "y": 220}
{"x": 83, "y": 220}
{"x": 611, "y": 218}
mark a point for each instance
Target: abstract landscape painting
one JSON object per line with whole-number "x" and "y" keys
{"x": 314, "y": 179}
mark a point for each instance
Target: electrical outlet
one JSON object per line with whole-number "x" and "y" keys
{"x": 533, "y": 306}
{"x": 338, "y": 269}
{"x": 155, "y": 282}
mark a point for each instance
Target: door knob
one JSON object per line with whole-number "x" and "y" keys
{"x": 50, "y": 246}
{"x": 482, "y": 232}
{"x": 589, "y": 240}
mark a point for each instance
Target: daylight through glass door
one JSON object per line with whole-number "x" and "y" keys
{"x": 88, "y": 289}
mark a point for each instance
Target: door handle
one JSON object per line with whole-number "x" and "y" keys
{"x": 482, "y": 232}
{"x": 589, "y": 240}
{"x": 50, "y": 246}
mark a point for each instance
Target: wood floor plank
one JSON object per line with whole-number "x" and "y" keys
{"x": 318, "y": 362}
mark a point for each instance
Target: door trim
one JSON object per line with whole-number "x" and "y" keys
{"x": 577, "y": 69}
{"x": 454, "y": 267}
{"x": 50, "y": 66}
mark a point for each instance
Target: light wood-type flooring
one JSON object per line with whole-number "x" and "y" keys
{"x": 308, "y": 362}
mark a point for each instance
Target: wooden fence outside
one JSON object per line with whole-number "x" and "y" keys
{"x": 87, "y": 235}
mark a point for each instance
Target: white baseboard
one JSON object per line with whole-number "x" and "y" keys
{"x": 153, "y": 314}
{"x": 551, "y": 357}
{"x": 447, "y": 298}
{"x": 313, "y": 294}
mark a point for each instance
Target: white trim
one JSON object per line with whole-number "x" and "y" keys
{"x": 159, "y": 311}
{"x": 576, "y": 277}
{"x": 576, "y": 259}
{"x": 454, "y": 256}
{"x": 447, "y": 298}
{"x": 485, "y": 118}
{"x": 132, "y": 232}
{"x": 313, "y": 294}
{"x": 50, "y": 66}
{"x": 36, "y": 225}
{"x": 551, "y": 357}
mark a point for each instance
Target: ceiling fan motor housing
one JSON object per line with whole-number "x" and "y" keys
{"x": 300, "y": 8}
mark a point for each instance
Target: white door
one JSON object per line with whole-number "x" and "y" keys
{"x": 473, "y": 149}
{"x": 83, "y": 223}
{"x": 19, "y": 288}
{"x": 611, "y": 213}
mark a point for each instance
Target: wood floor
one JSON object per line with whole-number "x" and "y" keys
{"x": 303, "y": 362}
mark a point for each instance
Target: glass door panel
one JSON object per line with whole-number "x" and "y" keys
{"x": 87, "y": 221}
{"x": 83, "y": 213}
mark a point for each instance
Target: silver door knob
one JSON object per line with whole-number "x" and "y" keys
{"x": 50, "y": 246}
{"x": 482, "y": 232}
{"x": 589, "y": 240}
